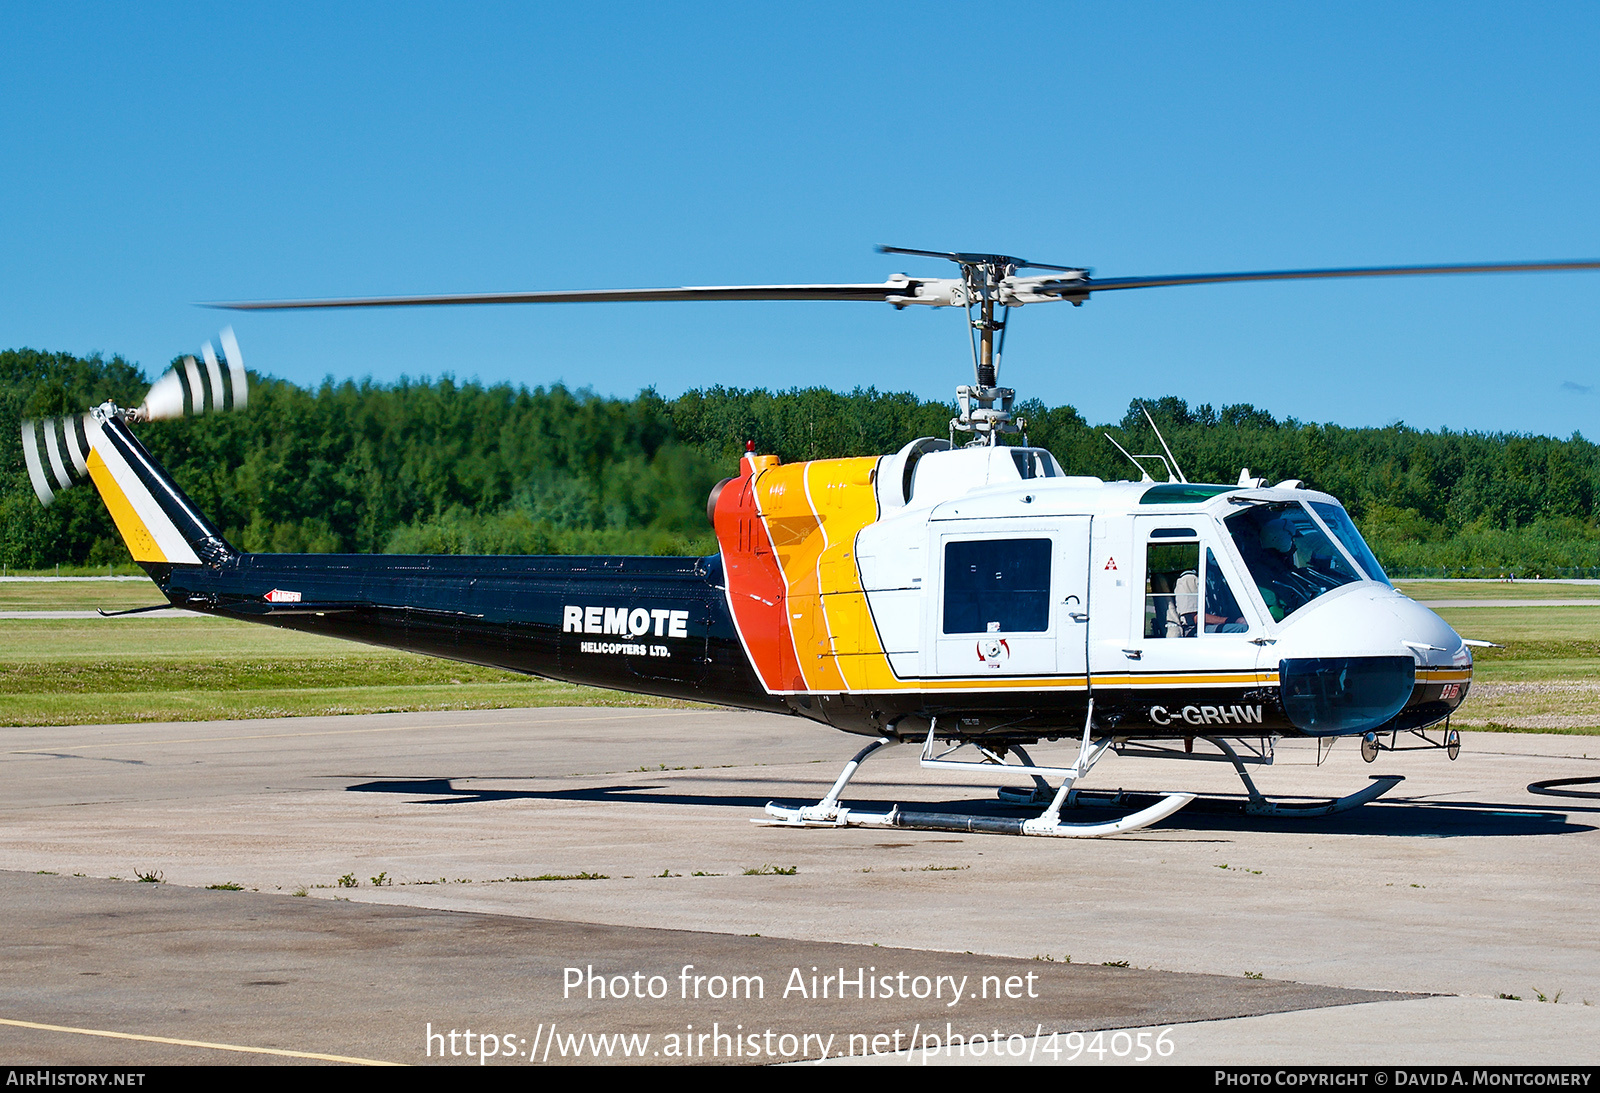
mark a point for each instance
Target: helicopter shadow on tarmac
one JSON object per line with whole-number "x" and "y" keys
{"x": 1412, "y": 818}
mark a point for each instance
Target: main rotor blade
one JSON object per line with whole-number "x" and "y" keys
{"x": 872, "y": 293}
{"x": 901, "y": 291}
{"x": 1099, "y": 284}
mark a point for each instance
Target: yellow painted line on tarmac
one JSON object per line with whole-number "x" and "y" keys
{"x": 201, "y": 1043}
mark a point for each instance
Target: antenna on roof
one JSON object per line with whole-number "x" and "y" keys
{"x": 1144, "y": 475}
{"x": 1173, "y": 459}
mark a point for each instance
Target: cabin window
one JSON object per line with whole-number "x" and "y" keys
{"x": 997, "y": 586}
{"x": 1035, "y": 463}
{"x": 1171, "y": 589}
{"x": 1181, "y": 493}
{"x": 1222, "y": 609}
{"x": 1176, "y": 590}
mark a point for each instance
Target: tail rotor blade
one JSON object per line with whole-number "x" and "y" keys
{"x": 214, "y": 375}
{"x": 187, "y": 388}
{"x": 77, "y": 442}
{"x": 53, "y": 450}
{"x": 197, "y": 405}
{"x": 30, "y": 455}
{"x": 64, "y": 460}
{"x": 240, "y": 383}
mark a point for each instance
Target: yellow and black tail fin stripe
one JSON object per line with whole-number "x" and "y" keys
{"x": 157, "y": 521}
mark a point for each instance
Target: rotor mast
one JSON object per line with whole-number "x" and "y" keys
{"x": 989, "y": 281}
{"x": 983, "y": 276}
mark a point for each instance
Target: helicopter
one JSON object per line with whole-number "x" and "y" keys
{"x": 965, "y": 594}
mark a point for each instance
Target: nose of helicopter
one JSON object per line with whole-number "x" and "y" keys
{"x": 1368, "y": 657}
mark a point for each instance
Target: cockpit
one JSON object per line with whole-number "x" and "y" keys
{"x": 1292, "y": 552}
{"x": 1293, "y": 558}
{"x": 1199, "y": 571}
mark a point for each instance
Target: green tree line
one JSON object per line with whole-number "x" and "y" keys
{"x": 437, "y": 466}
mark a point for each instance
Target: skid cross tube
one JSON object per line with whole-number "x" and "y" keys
{"x": 992, "y": 764}
{"x": 828, "y": 813}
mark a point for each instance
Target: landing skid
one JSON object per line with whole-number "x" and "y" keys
{"x": 1256, "y": 803}
{"x": 1219, "y": 805}
{"x": 829, "y": 813}
{"x": 1260, "y": 805}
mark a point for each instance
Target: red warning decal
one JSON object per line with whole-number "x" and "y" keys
{"x": 279, "y": 595}
{"x": 992, "y": 651}
{"x": 1111, "y": 563}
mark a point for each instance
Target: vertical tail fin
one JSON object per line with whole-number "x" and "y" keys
{"x": 157, "y": 520}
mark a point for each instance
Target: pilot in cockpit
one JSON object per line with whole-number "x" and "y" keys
{"x": 1277, "y": 542}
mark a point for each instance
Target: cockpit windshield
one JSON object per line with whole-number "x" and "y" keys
{"x": 1339, "y": 523}
{"x": 1289, "y": 556}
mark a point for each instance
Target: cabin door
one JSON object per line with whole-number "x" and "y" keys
{"x": 1189, "y": 639}
{"x": 1012, "y": 599}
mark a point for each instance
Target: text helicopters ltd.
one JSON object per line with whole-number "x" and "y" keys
{"x": 973, "y": 598}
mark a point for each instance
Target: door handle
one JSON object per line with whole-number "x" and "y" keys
{"x": 1078, "y": 616}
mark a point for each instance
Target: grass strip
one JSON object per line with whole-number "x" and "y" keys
{"x": 135, "y": 707}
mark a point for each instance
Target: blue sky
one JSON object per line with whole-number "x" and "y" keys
{"x": 159, "y": 156}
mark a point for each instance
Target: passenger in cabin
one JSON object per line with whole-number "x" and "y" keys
{"x": 1172, "y": 589}
{"x": 1186, "y": 603}
{"x": 1159, "y": 616}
